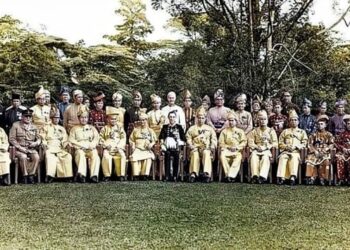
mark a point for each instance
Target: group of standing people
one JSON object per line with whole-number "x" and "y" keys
{"x": 105, "y": 136}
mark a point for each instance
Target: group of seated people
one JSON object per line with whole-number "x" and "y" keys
{"x": 113, "y": 136}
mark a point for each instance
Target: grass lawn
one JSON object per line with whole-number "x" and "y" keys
{"x": 163, "y": 215}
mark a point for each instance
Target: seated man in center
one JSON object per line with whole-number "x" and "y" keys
{"x": 260, "y": 141}
{"x": 84, "y": 139}
{"x": 232, "y": 141}
{"x": 202, "y": 141}
{"x": 142, "y": 140}
{"x": 113, "y": 140}
{"x": 292, "y": 140}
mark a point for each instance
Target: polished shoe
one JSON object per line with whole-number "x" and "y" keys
{"x": 280, "y": 181}
{"x": 82, "y": 179}
{"x": 261, "y": 180}
{"x": 192, "y": 179}
{"x": 322, "y": 182}
{"x": 254, "y": 179}
{"x": 207, "y": 179}
{"x": 292, "y": 181}
{"x": 31, "y": 179}
{"x": 311, "y": 181}
{"x": 122, "y": 178}
{"x": 94, "y": 179}
{"x": 106, "y": 179}
{"x": 5, "y": 180}
{"x": 48, "y": 179}
{"x": 25, "y": 179}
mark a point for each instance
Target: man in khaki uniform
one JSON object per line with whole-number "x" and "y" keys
{"x": 4, "y": 158}
{"x": 41, "y": 111}
{"x": 55, "y": 140}
{"x": 141, "y": 140}
{"x": 156, "y": 118}
{"x": 24, "y": 136}
{"x": 260, "y": 141}
{"x": 292, "y": 140}
{"x": 117, "y": 100}
{"x": 84, "y": 139}
{"x": 70, "y": 117}
{"x": 245, "y": 120}
{"x": 113, "y": 140}
{"x": 202, "y": 141}
{"x": 232, "y": 141}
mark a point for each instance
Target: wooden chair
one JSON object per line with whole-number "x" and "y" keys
{"x": 14, "y": 159}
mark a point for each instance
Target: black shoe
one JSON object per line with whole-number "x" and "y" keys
{"x": 192, "y": 179}
{"x": 25, "y": 179}
{"x": 175, "y": 179}
{"x": 136, "y": 178}
{"x": 322, "y": 183}
{"x": 122, "y": 178}
{"x": 105, "y": 179}
{"x": 166, "y": 179}
{"x": 31, "y": 179}
{"x": 292, "y": 181}
{"x": 207, "y": 179}
{"x": 228, "y": 179}
{"x": 82, "y": 179}
{"x": 48, "y": 179}
{"x": 261, "y": 180}
{"x": 254, "y": 179}
{"x": 94, "y": 179}
{"x": 311, "y": 181}
{"x": 280, "y": 181}
{"x": 5, "y": 180}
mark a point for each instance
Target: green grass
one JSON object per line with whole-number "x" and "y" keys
{"x": 182, "y": 215}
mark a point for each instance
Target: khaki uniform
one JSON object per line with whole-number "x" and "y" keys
{"x": 41, "y": 116}
{"x": 115, "y": 138}
{"x": 289, "y": 161}
{"x": 4, "y": 154}
{"x": 58, "y": 160}
{"x": 120, "y": 116}
{"x": 84, "y": 139}
{"x": 260, "y": 160}
{"x": 70, "y": 117}
{"x": 322, "y": 143}
{"x": 245, "y": 121}
{"x": 25, "y": 138}
{"x": 156, "y": 120}
{"x": 231, "y": 160}
{"x": 142, "y": 139}
{"x": 203, "y": 140}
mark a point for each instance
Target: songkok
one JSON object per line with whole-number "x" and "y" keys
{"x": 83, "y": 111}
{"x": 137, "y": 95}
{"x": 155, "y": 98}
{"x": 64, "y": 90}
{"x": 346, "y": 117}
{"x": 15, "y": 96}
{"x": 262, "y": 114}
{"x": 99, "y": 96}
{"x": 206, "y": 99}
{"x": 307, "y": 102}
{"x": 292, "y": 114}
{"x": 77, "y": 92}
{"x": 54, "y": 112}
{"x": 232, "y": 115}
{"x": 241, "y": 98}
{"x": 117, "y": 96}
{"x": 340, "y": 102}
{"x": 187, "y": 94}
{"x": 110, "y": 111}
{"x": 323, "y": 118}
{"x": 143, "y": 116}
{"x": 201, "y": 111}
{"x": 219, "y": 93}
{"x": 27, "y": 112}
{"x": 40, "y": 92}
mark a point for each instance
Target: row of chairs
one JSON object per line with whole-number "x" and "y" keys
{"x": 158, "y": 165}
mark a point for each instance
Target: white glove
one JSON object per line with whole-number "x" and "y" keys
{"x": 170, "y": 143}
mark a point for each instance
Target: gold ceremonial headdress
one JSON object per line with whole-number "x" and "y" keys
{"x": 40, "y": 92}
{"x": 155, "y": 98}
